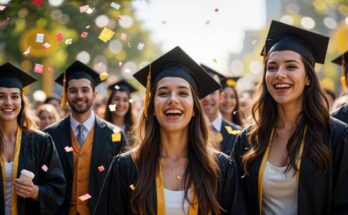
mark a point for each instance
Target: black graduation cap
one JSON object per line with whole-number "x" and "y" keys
{"x": 310, "y": 45}
{"x": 212, "y": 72}
{"x": 122, "y": 86}
{"x": 342, "y": 61}
{"x": 78, "y": 70}
{"x": 13, "y": 77}
{"x": 176, "y": 63}
{"x": 229, "y": 81}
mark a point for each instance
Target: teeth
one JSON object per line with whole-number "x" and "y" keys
{"x": 7, "y": 110}
{"x": 173, "y": 112}
{"x": 282, "y": 86}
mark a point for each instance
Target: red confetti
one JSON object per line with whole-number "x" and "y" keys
{"x": 38, "y": 3}
{"x": 59, "y": 37}
{"x": 44, "y": 168}
{"x": 101, "y": 168}
{"x": 39, "y": 68}
{"x": 85, "y": 197}
{"x": 68, "y": 149}
{"x": 84, "y": 34}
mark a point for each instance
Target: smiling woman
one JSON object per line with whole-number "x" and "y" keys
{"x": 173, "y": 168}
{"x": 20, "y": 145}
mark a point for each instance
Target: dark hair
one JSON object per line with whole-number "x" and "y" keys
{"x": 236, "y": 117}
{"x": 129, "y": 121}
{"x": 202, "y": 169}
{"x": 314, "y": 116}
{"x": 330, "y": 93}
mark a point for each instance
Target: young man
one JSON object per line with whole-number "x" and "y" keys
{"x": 226, "y": 132}
{"x": 85, "y": 143}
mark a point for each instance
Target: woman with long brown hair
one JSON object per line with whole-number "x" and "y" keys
{"x": 173, "y": 169}
{"x": 294, "y": 156}
{"x": 31, "y": 173}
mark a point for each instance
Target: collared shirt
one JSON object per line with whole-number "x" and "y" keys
{"x": 89, "y": 123}
{"x": 217, "y": 122}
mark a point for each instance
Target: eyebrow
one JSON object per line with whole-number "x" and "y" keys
{"x": 287, "y": 61}
{"x": 165, "y": 87}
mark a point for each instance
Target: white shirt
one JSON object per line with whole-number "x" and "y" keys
{"x": 8, "y": 190}
{"x": 89, "y": 123}
{"x": 217, "y": 122}
{"x": 280, "y": 190}
{"x": 174, "y": 202}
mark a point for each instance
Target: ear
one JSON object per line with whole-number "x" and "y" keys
{"x": 308, "y": 82}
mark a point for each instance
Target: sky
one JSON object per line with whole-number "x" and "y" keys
{"x": 208, "y": 30}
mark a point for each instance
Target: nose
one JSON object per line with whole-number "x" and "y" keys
{"x": 8, "y": 100}
{"x": 173, "y": 100}
{"x": 79, "y": 94}
{"x": 281, "y": 73}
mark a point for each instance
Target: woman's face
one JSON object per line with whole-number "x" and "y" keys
{"x": 10, "y": 103}
{"x": 121, "y": 100}
{"x": 286, "y": 77}
{"x": 173, "y": 103}
{"x": 229, "y": 101}
{"x": 46, "y": 119}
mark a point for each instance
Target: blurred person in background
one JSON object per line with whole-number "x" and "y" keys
{"x": 47, "y": 115}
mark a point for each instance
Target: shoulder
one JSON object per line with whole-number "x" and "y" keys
{"x": 60, "y": 123}
{"x": 337, "y": 129}
{"x": 36, "y": 134}
{"x": 235, "y": 128}
{"x": 341, "y": 113}
{"x": 105, "y": 124}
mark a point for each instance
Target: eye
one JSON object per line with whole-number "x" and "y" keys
{"x": 291, "y": 67}
{"x": 271, "y": 68}
{"x": 183, "y": 93}
{"x": 162, "y": 93}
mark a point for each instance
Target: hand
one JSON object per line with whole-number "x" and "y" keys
{"x": 26, "y": 189}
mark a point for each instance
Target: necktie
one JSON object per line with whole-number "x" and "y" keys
{"x": 80, "y": 136}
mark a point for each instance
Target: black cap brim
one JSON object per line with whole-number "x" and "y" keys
{"x": 13, "y": 77}
{"x": 122, "y": 86}
{"x": 341, "y": 59}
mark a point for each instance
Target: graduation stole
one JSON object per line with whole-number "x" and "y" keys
{"x": 14, "y": 171}
{"x": 161, "y": 210}
{"x": 264, "y": 160}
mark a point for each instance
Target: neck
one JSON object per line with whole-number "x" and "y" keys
{"x": 119, "y": 121}
{"x": 288, "y": 115}
{"x": 227, "y": 116}
{"x": 81, "y": 117}
{"x": 174, "y": 145}
{"x": 8, "y": 128}
{"x": 214, "y": 116}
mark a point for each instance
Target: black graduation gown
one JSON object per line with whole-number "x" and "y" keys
{"x": 228, "y": 140}
{"x": 37, "y": 149}
{"x": 341, "y": 113}
{"x": 123, "y": 174}
{"x": 103, "y": 152}
{"x": 323, "y": 194}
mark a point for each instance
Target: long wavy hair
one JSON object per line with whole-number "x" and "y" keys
{"x": 202, "y": 169}
{"x": 128, "y": 118}
{"x": 26, "y": 119}
{"x": 314, "y": 116}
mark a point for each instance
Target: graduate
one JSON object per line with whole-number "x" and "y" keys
{"x": 173, "y": 169}
{"x": 294, "y": 157}
{"x": 342, "y": 112}
{"x": 85, "y": 143}
{"x": 122, "y": 116}
{"x": 23, "y": 147}
{"x": 225, "y": 132}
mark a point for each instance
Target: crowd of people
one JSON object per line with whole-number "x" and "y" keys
{"x": 192, "y": 149}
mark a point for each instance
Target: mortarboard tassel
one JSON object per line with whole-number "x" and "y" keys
{"x": 147, "y": 93}
{"x": 63, "y": 102}
{"x": 343, "y": 78}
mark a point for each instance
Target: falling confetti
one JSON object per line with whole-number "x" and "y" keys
{"x": 115, "y": 5}
{"x": 59, "y": 37}
{"x": 88, "y": 26}
{"x": 103, "y": 76}
{"x": 38, "y": 3}
{"x": 123, "y": 36}
{"x": 140, "y": 46}
{"x": 101, "y": 168}
{"x": 132, "y": 187}
{"x": 84, "y": 34}
{"x": 131, "y": 101}
{"x": 85, "y": 197}
{"x": 83, "y": 9}
{"x": 46, "y": 45}
{"x": 106, "y": 35}
{"x": 68, "y": 41}
{"x": 116, "y": 137}
{"x": 112, "y": 107}
{"x": 120, "y": 64}
{"x": 44, "y": 168}
{"x": 90, "y": 10}
{"x": 27, "y": 51}
{"x": 38, "y": 68}
{"x": 40, "y": 38}
{"x": 68, "y": 149}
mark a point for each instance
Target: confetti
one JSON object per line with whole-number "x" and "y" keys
{"x": 38, "y": 3}
{"x": 84, "y": 34}
{"x": 27, "y": 51}
{"x": 115, "y": 5}
{"x": 39, "y": 38}
{"x": 44, "y": 168}
{"x": 68, "y": 149}
{"x": 216, "y": 10}
{"x": 2, "y": 7}
{"x": 90, "y": 10}
{"x": 88, "y": 26}
{"x": 103, "y": 76}
{"x": 106, "y": 35}
{"x": 83, "y": 9}
{"x": 3, "y": 22}
{"x": 101, "y": 168}
{"x": 120, "y": 64}
{"x": 68, "y": 41}
{"x": 46, "y": 45}
{"x": 59, "y": 37}
{"x": 116, "y": 137}
{"x": 219, "y": 137}
{"x": 127, "y": 70}
{"x": 112, "y": 107}
{"x": 116, "y": 130}
{"x": 131, "y": 101}
{"x": 85, "y": 197}
{"x": 123, "y": 36}
{"x": 38, "y": 68}
{"x": 132, "y": 187}
{"x": 140, "y": 46}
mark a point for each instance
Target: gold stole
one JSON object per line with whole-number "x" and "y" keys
{"x": 264, "y": 160}
{"x": 193, "y": 210}
{"x": 14, "y": 171}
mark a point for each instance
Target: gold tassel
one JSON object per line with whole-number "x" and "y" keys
{"x": 343, "y": 78}
{"x": 147, "y": 94}
{"x": 63, "y": 102}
